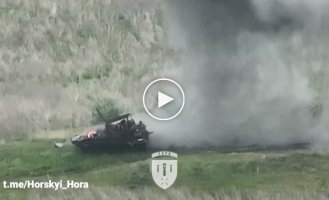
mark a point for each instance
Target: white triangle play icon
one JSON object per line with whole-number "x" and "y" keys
{"x": 163, "y": 99}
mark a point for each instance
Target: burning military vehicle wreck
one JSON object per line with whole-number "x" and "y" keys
{"x": 119, "y": 132}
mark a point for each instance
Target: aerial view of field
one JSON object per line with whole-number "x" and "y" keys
{"x": 254, "y": 78}
{"x": 211, "y": 174}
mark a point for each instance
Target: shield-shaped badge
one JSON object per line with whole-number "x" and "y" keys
{"x": 164, "y": 171}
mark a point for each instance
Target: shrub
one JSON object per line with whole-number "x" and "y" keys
{"x": 104, "y": 109}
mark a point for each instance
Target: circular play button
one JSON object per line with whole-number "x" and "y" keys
{"x": 163, "y": 99}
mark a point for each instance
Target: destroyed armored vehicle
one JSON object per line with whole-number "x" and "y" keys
{"x": 118, "y": 132}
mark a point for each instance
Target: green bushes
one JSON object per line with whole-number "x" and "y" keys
{"x": 104, "y": 109}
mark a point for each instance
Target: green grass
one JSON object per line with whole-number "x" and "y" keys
{"x": 199, "y": 171}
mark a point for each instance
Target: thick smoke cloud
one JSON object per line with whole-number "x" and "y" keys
{"x": 250, "y": 71}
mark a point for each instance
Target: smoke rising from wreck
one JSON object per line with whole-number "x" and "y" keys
{"x": 250, "y": 70}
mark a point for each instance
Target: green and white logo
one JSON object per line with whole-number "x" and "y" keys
{"x": 164, "y": 168}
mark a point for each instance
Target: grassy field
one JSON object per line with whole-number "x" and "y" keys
{"x": 58, "y": 59}
{"x": 202, "y": 172}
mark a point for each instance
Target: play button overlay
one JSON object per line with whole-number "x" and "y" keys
{"x": 163, "y": 99}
